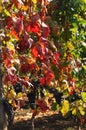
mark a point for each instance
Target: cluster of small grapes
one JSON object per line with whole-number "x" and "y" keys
{"x": 73, "y": 97}
{"x": 18, "y": 88}
{"x": 32, "y": 98}
{"x": 9, "y": 111}
{"x": 56, "y": 94}
{"x": 59, "y": 95}
{"x": 35, "y": 93}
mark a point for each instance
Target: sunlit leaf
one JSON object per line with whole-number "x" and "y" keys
{"x": 1, "y": 9}
{"x": 19, "y": 95}
{"x": 7, "y": 12}
{"x": 35, "y": 51}
{"x": 34, "y": 1}
{"x": 11, "y": 94}
{"x": 33, "y": 27}
{"x": 74, "y": 111}
{"x": 25, "y": 8}
{"x": 70, "y": 45}
{"x": 84, "y": 1}
{"x": 83, "y": 94}
{"x": 65, "y": 107}
{"x": 82, "y": 112}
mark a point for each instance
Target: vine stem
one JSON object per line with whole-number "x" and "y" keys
{"x": 32, "y": 122}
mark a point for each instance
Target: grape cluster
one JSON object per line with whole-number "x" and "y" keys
{"x": 9, "y": 111}
{"x": 73, "y": 97}
{"x": 38, "y": 88}
{"x": 35, "y": 93}
{"x": 32, "y": 97}
{"x": 56, "y": 94}
{"x": 18, "y": 88}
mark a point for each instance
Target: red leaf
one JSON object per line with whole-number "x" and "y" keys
{"x": 32, "y": 66}
{"x": 71, "y": 90}
{"x": 24, "y": 65}
{"x": 22, "y": 46}
{"x": 45, "y": 30}
{"x": 10, "y": 78}
{"x": 18, "y": 3}
{"x": 33, "y": 27}
{"x": 7, "y": 62}
{"x": 42, "y": 105}
{"x": 18, "y": 26}
{"x": 14, "y": 34}
{"x": 24, "y": 43}
{"x": 24, "y": 68}
{"x": 56, "y": 58}
{"x": 42, "y": 56}
{"x": 6, "y": 56}
{"x": 42, "y": 81}
{"x": 49, "y": 77}
{"x": 9, "y": 22}
{"x": 35, "y": 51}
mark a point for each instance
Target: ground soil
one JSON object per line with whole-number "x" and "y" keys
{"x": 48, "y": 121}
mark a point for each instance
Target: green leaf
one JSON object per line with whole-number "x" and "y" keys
{"x": 83, "y": 94}
{"x": 54, "y": 106}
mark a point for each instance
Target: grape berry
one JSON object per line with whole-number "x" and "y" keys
{"x": 18, "y": 88}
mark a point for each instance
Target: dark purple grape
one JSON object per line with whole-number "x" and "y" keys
{"x": 18, "y": 88}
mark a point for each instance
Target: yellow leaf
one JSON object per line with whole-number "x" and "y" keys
{"x": 10, "y": 46}
{"x": 1, "y": 9}
{"x": 25, "y": 8}
{"x": 65, "y": 107}
{"x": 7, "y": 12}
{"x": 19, "y": 95}
{"x": 81, "y": 110}
{"x": 70, "y": 45}
{"x": 84, "y": 1}
{"x": 14, "y": 104}
{"x": 11, "y": 94}
{"x": 34, "y": 1}
{"x": 74, "y": 112}
{"x": 0, "y": 1}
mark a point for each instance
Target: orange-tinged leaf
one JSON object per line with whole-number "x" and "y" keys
{"x": 14, "y": 34}
{"x": 11, "y": 94}
{"x": 25, "y": 8}
{"x": 33, "y": 27}
{"x": 18, "y": 4}
{"x": 35, "y": 51}
{"x": 82, "y": 120}
{"x": 7, "y": 62}
{"x": 34, "y": 1}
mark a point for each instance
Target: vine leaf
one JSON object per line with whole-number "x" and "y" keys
{"x": 83, "y": 94}
{"x": 65, "y": 107}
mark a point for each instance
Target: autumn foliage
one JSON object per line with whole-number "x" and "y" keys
{"x": 41, "y": 41}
